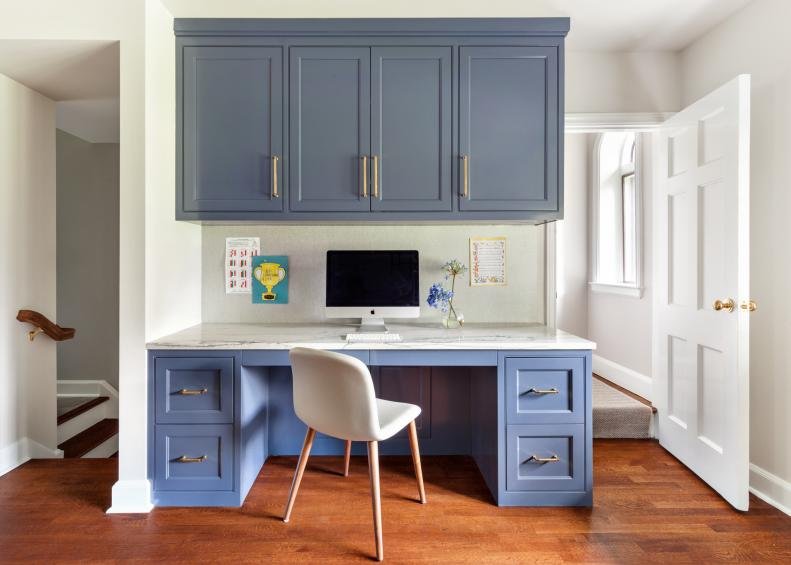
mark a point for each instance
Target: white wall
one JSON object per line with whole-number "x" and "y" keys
{"x": 756, "y": 41}
{"x": 602, "y": 81}
{"x": 621, "y": 325}
{"x": 87, "y": 257}
{"x": 123, "y": 22}
{"x": 572, "y": 239}
{"x": 27, "y": 273}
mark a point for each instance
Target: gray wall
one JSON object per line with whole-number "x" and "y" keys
{"x": 522, "y": 300}
{"x": 87, "y": 257}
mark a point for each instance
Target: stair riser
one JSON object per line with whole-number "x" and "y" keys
{"x": 71, "y": 428}
{"x": 103, "y": 450}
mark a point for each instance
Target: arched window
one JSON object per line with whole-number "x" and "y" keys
{"x": 616, "y": 217}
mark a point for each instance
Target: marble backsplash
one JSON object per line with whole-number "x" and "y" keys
{"x": 520, "y": 301}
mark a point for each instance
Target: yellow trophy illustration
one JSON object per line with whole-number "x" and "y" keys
{"x": 269, "y": 275}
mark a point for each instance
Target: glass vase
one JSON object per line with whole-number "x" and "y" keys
{"x": 453, "y": 319}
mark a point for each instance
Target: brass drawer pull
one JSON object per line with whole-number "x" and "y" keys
{"x": 375, "y": 175}
{"x": 193, "y": 391}
{"x": 275, "y": 193}
{"x": 185, "y": 459}
{"x": 465, "y": 178}
{"x": 364, "y": 175}
{"x": 534, "y": 390}
{"x": 537, "y": 459}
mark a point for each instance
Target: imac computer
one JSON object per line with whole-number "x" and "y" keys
{"x": 372, "y": 286}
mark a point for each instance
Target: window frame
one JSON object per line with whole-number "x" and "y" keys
{"x": 636, "y": 289}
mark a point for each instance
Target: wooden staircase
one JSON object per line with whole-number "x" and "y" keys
{"x": 87, "y": 427}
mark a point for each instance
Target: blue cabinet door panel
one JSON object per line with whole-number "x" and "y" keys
{"x": 232, "y": 126}
{"x": 411, "y": 128}
{"x": 194, "y": 457}
{"x": 544, "y": 390}
{"x": 509, "y": 128}
{"x": 329, "y": 113}
{"x": 193, "y": 390}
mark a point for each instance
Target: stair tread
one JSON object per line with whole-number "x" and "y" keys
{"x": 81, "y": 408}
{"x": 86, "y": 440}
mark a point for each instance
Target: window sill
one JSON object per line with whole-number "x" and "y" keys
{"x": 619, "y": 289}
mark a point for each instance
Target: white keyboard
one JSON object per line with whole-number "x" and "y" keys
{"x": 366, "y": 337}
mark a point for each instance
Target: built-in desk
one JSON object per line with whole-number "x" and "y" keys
{"x": 517, "y": 398}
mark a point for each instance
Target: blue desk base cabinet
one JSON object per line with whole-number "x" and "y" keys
{"x": 524, "y": 416}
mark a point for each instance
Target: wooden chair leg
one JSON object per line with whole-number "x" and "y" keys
{"x": 303, "y": 462}
{"x": 373, "y": 468}
{"x": 346, "y": 456}
{"x": 416, "y": 461}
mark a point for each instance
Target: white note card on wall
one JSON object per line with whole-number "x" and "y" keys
{"x": 487, "y": 261}
{"x": 239, "y": 252}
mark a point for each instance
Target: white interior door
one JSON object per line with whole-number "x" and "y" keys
{"x": 701, "y": 238}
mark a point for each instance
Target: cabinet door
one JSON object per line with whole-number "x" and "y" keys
{"x": 509, "y": 128}
{"x": 411, "y": 129}
{"x": 329, "y": 108}
{"x": 232, "y": 126}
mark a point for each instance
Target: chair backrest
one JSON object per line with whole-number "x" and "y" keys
{"x": 334, "y": 394}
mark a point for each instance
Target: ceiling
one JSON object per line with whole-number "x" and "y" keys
{"x": 82, "y": 77}
{"x": 600, "y": 25}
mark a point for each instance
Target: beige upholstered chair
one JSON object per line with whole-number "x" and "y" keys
{"x": 334, "y": 395}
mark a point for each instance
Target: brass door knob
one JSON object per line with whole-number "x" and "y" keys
{"x": 727, "y": 304}
{"x": 748, "y": 305}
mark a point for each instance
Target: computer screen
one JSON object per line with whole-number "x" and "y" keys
{"x": 372, "y": 278}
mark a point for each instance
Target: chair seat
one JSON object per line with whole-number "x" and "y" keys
{"x": 394, "y": 417}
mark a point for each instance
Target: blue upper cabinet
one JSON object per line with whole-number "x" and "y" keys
{"x": 510, "y": 129}
{"x": 231, "y": 116}
{"x": 411, "y": 129}
{"x": 370, "y": 119}
{"x": 329, "y": 107}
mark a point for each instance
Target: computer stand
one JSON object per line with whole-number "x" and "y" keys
{"x": 372, "y": 325}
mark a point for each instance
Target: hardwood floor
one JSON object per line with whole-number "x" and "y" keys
{"x": 648, "y": 509}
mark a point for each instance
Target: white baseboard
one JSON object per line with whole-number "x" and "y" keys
{"x": 23, "y": 450}
{"x": 623, "y": 376}
{"x": 770, "y": 488}
{"x": 131, "y": 497}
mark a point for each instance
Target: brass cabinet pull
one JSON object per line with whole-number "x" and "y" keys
{"x": 193, "y": 391}
{"x": 534, "y": 390}
{"x": 375, "y": 175}
{"x": 465, "y": 176}
{"x": 749, "y": 305}
{"x": 727, "y": 304}
{"x": 185, "y": 459}
{"x": 364, "y": 176}
{"x": 275, "y": 193}
{"x": 537, "y": 459}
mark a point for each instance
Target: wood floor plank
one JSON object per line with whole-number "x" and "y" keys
{"x": 648, "y": 508}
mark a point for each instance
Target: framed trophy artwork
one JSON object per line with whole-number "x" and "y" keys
{"x": 270, "y": 279}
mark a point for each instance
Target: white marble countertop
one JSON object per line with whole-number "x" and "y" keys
{"x": 333, "y": 336}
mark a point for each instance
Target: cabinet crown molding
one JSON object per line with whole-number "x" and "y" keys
{"x": 549, "y": 27}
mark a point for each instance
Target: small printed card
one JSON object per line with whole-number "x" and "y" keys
{"x": 239, "y": 252}
{"x": 270, "y": 279}
{"x": 487, "y": 261}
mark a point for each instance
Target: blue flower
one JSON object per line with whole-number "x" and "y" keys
{"x": 439, "y": 297}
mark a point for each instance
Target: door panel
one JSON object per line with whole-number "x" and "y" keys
{"x": 701, "y": 230}
{"x": 233, "y": 126}
{"x": 509, "y": 128}
{"x": 329, "y": 105}
{"x": 411, "y": 128}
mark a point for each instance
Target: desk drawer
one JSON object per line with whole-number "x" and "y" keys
{"x": 194, "y": 457}
{"x": 195, "y": 390}
{"x": 545, "y": 458}
{"x": 545, "y": 390}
